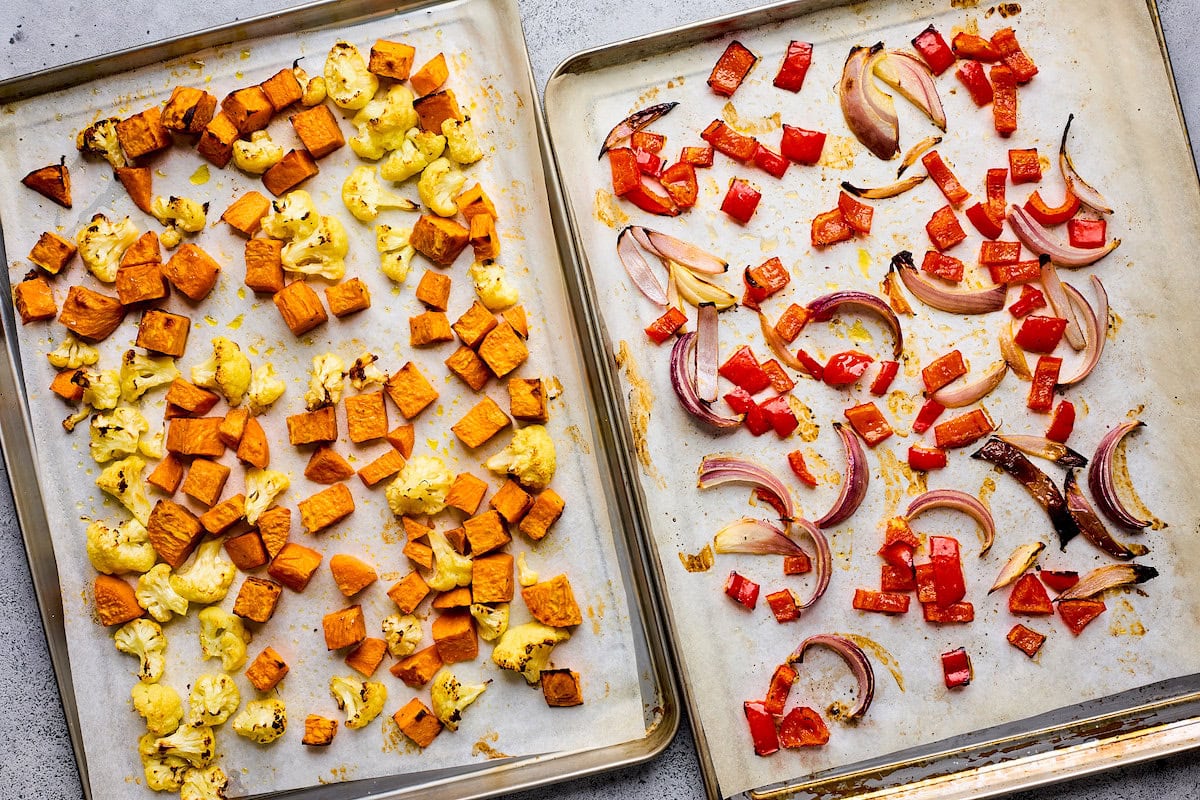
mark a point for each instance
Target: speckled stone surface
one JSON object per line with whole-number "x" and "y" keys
{"x": 36, "y": 761}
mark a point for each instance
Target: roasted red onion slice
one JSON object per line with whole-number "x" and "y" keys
{"x": 1045, "y": 448}
{"x": 634, "y": 122}
{"x": 1102, "y": 479}
{"x": 916, "y": 151}
{"x": 869, "y": 112}
{"x": 639, "y": 270}
{"x": 1056, "y": 293}
{"x": 778, "y": 345}
{"x": 906, "y": 74}
{"x": 823, "y": 307}
{"x": 1036, "y": 482}
{"x": 822, "y": 562}
{"x": 890, "y": 287}
{"x": 1013, "y": 355}
{"x": 707, "y": 353}
{"x": 957, "y": 501}
{"x": 855, "y": 659}
{"x": 1108, "y": 577}
{"x": 720, "y": 468}
{"x": 1039, "y": 241}
{"x": 954, "y": 301}
{"x": 1075, "y": 184}
{"x": 959, "y": 396}
{"x": 1095, "y": 323}
{"x": 681, "y": 252}
{"x": 884, "y": 192}
{"x": 1092, "y": 527}
{"x": 683, "y": 381}
{"x": 1021, "y": 559}
{"x": 854, "y": 483}
{"x": 755, "y": 537}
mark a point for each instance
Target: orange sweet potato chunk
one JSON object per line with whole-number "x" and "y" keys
{"x": 430, "y": 77}
{"x": 553, "y": 603}
{"x": 327, "y": 466}
{"x": 481, "y": 423}
{"x": 267, "y": 670}
{"x": 408, "y": 592}
{"x": 264, "y": 266}
{"x": 348, "y": 297}
{"x": 326, "y": 508}
{"x": 52, "y": 252}
{"x": 222, "y": 517}
{"x": 466, "y": 493}
{"x": 492, "y": 578}
{"x": 381, "y": 468}
{"x": 294, "y": 566}
{"x": 454, "y": 636}
{"x": 561, "y": 689}
{"x": 139, "y": 185}
{"x": 143, "y": 133}
{"x": 246, "y": 551}
{"x": 248, "y": 109}
{"x": 253, "y": 449}
{"x": 295, "y": 168}
{"x": 34, "y": 300}
{"x": 164, "y": 332}
{"x": 300, "y": 307}
{"x": 544, "y": 512}
{"x": 318, "y": 731}
{"x": 216, "y": 142}
{"x": 282, "y": 89}
{"x": 344, "y": 628}
{"x": 410, "y": 391}
{"x": 351, "y": 574}
{"x": 275, "y": 526}
{"x": 366, "y": 658}
{"x": 205, "y": 480}
{"x": 89, "y": 314}
{"x": 192, "y": 271}
{"x": 317, "y": 129}
{"x": 313, "y": 426}
{"x": 391, "y": 59}
{"x": 173, "y": 532}
{"x": 188, "y": 110}
{"x": 257, "y": 598}
{"x": 366, "y": 417}
{"x": 419, "y": 668}
{"x": 116, "y": 603}
{"x": 417, "y": 722}
{"x": 439, "y": 239}
{"x": 245, "y": 214}
{"x": 52, "y": 182}
{"x": 141, "y": 283}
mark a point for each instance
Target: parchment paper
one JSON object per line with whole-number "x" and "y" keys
{"x": 1099, "y": 60}
{"x": 510, "y": 719}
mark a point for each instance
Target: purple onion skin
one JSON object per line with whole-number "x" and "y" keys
{"x": 1036, "y": 482}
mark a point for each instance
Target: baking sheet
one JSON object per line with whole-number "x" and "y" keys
{"x": 510, "y": 719}
{"x": 1125, "y": 141}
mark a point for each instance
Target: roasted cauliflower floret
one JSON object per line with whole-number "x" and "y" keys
{"x": 529, "y": 458}
{"x": 207, "y": 577}
{"x": 123, "y": 480}
{"x": 293, "y": 216}
{"x": 420, "y": 488}
{"x": 101, "y": 388}
{"x": 257, "y": 155}
{"x": 383, "y": 123}
{"x": 116, "y": 434}
{"x": 74, "y": 419}
{"x": 361, "y": 700}
{"x": 265, "y": 388}
{"x": 163, "y": 773}
{"x": 223, "y": 636}
{"x": 159, "y": 705}
{"x": 364, "y": 195}
{"x": 348, "y": 82}
{"x": 313, "y": 88}
{"x": 402, "y": 632}
{"x": 491, "y": 621}
{"x": 204, "y": 784}
{"x": 180, "y": 215}
{"x": 322, "y": 252}
{"x": 156, "y": 594}
{"x": 363, "y": 373}
{"x": 461, "y": 142}
{"x": 227, "y": 370}
{"x": 140, "y": 374}
{"x": 101, "y": 244}
{"x": 525, "y": 575}
{"x": 492, "y": 285}
{"x": 73, "y": 354}
{"x": 262, "y": 487}
{"x": 100, "y": 139}
{"x": 416, "y": 152}
{"x": 395, "y": 251}
{"x": 526, "y": 649}
{"x": 125, "y": 548}
{"x": 152, "y": 445}
{"x": 438, "y": 185}
{"x": 450, "y": 569}
{"x": 451, "y": 697}
{"x": 213, "y": 699}
{"x": 144, "y": 638}
{"x": 261, "y": 721}
{"x": 326, "y": 381}
{"x": 195, "y": 745}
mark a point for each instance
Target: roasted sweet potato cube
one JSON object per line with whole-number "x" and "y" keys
{"x": 430, "y": 77}
{"x": 466, "y": 493}
{"x": 527, "y": 399}
{"x": 419, "y": 553}
{"x": 411, "y": 393}
{"x": 141, "y": 283}
{"x": 295, "y": 168}
{"x": 486, "y": 532}
{"x": 348, "y": 297}
{"x": 52, "y": 182}
{"x": 233, "y": 426}
{"x": 544, "y": 512}
{"x": 247, "y": 551}
{"x": 366, "y": 417}
{"x": 351, "y": 574}
{"x": 301, "y": 307}
{"x": 434, "y": 290}
{"x": 414, "y": 530}
{"x": 515, "y": 316}
{"x": 188, "y": 110}
{"x": 248, "y": 109}
{"x": 294, "y": 565}
{"x": 275, "y": 526}
{"x": 216, "y": 143}
{"x": 553, "y": 603}
{"x": 164, "y": 332}
{"x": 34, "y": 300}
{"x": 502, "y": 350}
{"x": 560, "y": 687}
{"x": 139, "y": 185}
{"x": 475, "y": 201}
{"x": 205, "y": 480}
{"x": 432, "y": 327}
{"x": 484, "y": 240}
{"x": 439, "y": 239}
{"x": 454, "y": 636}
{"x": 402, "y": 437}
{"x": 264, "y": 266}
{"x": 366, "y": 658}
{"x": 344, "y": 628}
{"x": 195, "y": 437}
{"x": 512, "y": 502}
{"x": 391, "y": 59}
{"x": 418, "y": 723}
{"x": 245, "y": 214}
{"x": 257, "y": 598}
{"x": 253, "y": 448}
{"x": 313, "y": 426}
{"x": 143, "y": 133}
{"x": 173, "y": 531}
{"x": 434, "y": 109}
{"x": 458, "y": 597}
{"x": 492, "y": 578}
{"x": 190, "y": 397}
{"x": 481, "y": 423}
{"x": 65, "y": 386}
{"x": 469, "y": 367}
{"x": 266, "y": 670}
{"x": 419, "y": 668}
{"x": 457, "y": 537}
{"x": 115, "y": 600}
{"x": 319, "y": 731}
{"x": 167, "y": 474}
{"x": 192, "y": 271}
{"x": 383, "y": 467}
{"x": 223, "y": 515}
{"x": 145, "y": 250}
{"x": 282, "y": 89}
{"x": 318, "y": 130}
{"x": 325, "y": 508}
{"x": 408, "y": 592}
{"x": 52, "y": 252}
{"x": 475, "y": 323}
{"x": 327, "y": 466}
{"x": 91, "y": 315}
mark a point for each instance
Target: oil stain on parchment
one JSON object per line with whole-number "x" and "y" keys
{"x": 899, "y": 480}
{"x": 608, "y": 212}
{"x": 753, "y": 126}
{"x": 700, "y": 562}
{"x": 641, "y": 401}
{"x": 881, "y": 655}
{"x": 1125, "y": 621}
{"x": 484, "y": 747}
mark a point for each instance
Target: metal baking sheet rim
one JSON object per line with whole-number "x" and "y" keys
{"x": 16, "y": 447}
{"x": 1134, "y": 734}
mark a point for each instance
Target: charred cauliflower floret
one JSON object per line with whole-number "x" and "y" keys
{"x": 257, "y": 155}
{"x": 156, "y": 594}
{"x": 101, "y": 244}
{"x": 213, "y": 699}
{"x": 348, "y": 82}
{"x": 529, "y": 458}
{"x": 395, "y": 251}
{"x": 326, "y": 381}
{"x": 100, "y": 139}
{"x": 207, "y": 577}
{"x": 195, "y": 745}
{"x": 313, "y": 88}
{"x": 265, "y": 388}
{"x": 77, "y": 417}
{"x": 322, "y": 252}
{"x": 492, "y": 286}
{"x": 227, "y": 370}
{"x": 163, "y": 773}
{"x": 363, "y": 373}
{"x": 116, "y": 434}
{"x": 261, "y": 721}
{"x": 262, "y": 487}
{"x": 101, "y": 388}
{"x": 383, "y": 123}
{"x": 450, "y": 568}
{"x": 417, "y": 151}
{"x": 420, "y": 488}
{"x": 402, "y": 632}
{"x": 223, "y": 636}
{"x": 364, "y": 195}
{"x": 461, "y": 142}
{"x": 292, "y": 216}
{"x": 491, "y": 621}
{"x": 72, "y": 354}
{"x": 204, "y": 784}
{"x": 361, "y": 700}
{"x": 140, "y": 374}
{"x": 526, "y": 649}
{"x": 159, "y": 705}
{"x": 180, "y": 215}
{"x": 125, "y": 548}
{"x": 438, "y": 185}
{"x": 123, "y": 480}
{"x": 451, "y": 697}
{"x": 144, "y": 639}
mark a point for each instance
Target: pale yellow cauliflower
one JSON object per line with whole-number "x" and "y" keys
{"x": 348, "y": 82}
{"x": 101, "y": 244}
{"x": 529, "y": 458}
{"x": 420, "y": 488}
{"x": 227, "y": 371}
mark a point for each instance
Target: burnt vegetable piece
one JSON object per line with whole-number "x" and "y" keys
{"x": 1092, "y": 526}
{"x": 1036, "y": 482}
{"x": 634, "y": 122}
{"x": 53, "y": 182}
{"x": 1109, "y": 577}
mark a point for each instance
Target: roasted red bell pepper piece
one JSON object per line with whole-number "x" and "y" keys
{"x": 814, "y": 368}
{"x": 868, "y": 422}
{"x": 926, "y": 593}
{"x": 1087, "y": 233}
{"x": 829, "y": 228}
{"x": 740, "y": 401}
{"x": 765, "y": 280}
{"x": 888, "y": 370}
{"x": 697, "y": 156}
{"x": 1005, "y": 43}
{"x": 1029, "y": 597}
{"x": 953, "y": 613}
{"x": 928, "y": 415}
{"x": 1078, "y": 613}
{"x": 933, "y": 48}
{"x": 742, "y": 369}
{"x": 625, "y": 173}
{"x": 762, "y": 728}
{"x": 1045, "y": 378}
{"x": 948, "y": 580}
{"x": 665, "y": 326}
{"x": 1020, "y": 272}
{"x": 731, "y": 69}
{"x": 972, "y": 76}
{"x": 1024, "y": 166}
{"x": 943, "y": 370}
{"x": 761, "y": 495}
{"x": 925, "y": 459}
{"x": 770, "y": 162}
{"x": 1027, "y": 640}
{"x": 968, "y": 45}
{"x": 756, "y": 420}
{"x": 944, "y": 178}
{"x": 729, "y": 141}
{"x": 803, "y": 727}
{"x": 985, "y": 221}
{"x": 647, "y": 141}
{"x": 742, "y": 589}
{"x": 800, "y": 468}
{"x": 779, "y": 413}
{"x": 956, "y": 668}
{"x": 898, "y": 555}
{"x": 940, "y": 265}
{"x": 857, "y": 215}
{"x": 994, "y": 253}
{"x": 1059, "y": 580}
{"x": 792, "y": 321}
{"x": 1046, "y": 215}
{"x": 781, "y": 382}
{"x": 996, "y": 185}
{"x": 740, "y": 200}
{"x": 649, "y": 200}
{"x": 963, "y": 430}
{"x": 1031, "y": 300}
{"x": 648, "y": 163}
{"x": 1004, "y": 100}
{"x": 680, "y": 182}
{"x": 896, "y": 579}
{"x": 783, "y": 606}
{"x": 796, "y": 62}
{"x": 944, "y": 230}
{"x": 781, "y": 680}
{"x": 880, "y": 602}
{"x": 845, "y": 368}
{"x": 802, "y": 146}
{"x": 1040, "y": 334}
{"x": 1062, "y": 422}
{"x": 898, "y": 531}
{"x": 797, "y": 565}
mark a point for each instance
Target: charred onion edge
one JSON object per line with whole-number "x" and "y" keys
{"x": 855, "y": 659}
{"x": 683, "y": 381}
{"x": 956, "y": 500}
{"x": 1036, "y": 482}
{"x": 1045, "y": 448}
{"x": 883, "y": 192}
{"x": 638, "y": 269}
{"x": 823, "y": 307}
{"x": 927, "y": 99}
{"x": 916, "y": 151}
{"x": 959, "y": 396}
{"x": 707, "y": 352}
{"x": 1097, "y": 328}
{"x": 1022, "y": 558}
{"x": 1102, "y": 478}
{"x": 778, "y": 346}
{"x": 1075, "y": 184}
{"x": 634, "y": 122}
{"x": 683, "y": 253}
{"x": 1108, "y": 577}
{"x": 865, "y": 106}
{"x": 755, "y": 537}
{"x": 982, "y": 301}
{"x": 721, "y": 468}
{"x": 1092, "y": 527}
{"x": 1039, "y": 241}
{"x": 854, "y": 483}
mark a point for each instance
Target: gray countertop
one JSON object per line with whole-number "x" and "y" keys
{"x": 48, "y": 33}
